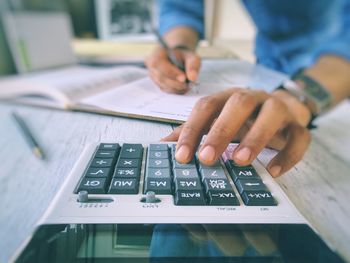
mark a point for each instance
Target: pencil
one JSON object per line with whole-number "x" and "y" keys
{"x": 173, "y": 58}
{"x": 28, "y": 136}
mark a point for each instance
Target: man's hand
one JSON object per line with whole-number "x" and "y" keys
{"x": 256, "y": 118}
{"x": 167, "y": 76}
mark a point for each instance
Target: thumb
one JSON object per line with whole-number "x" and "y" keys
{"x": 192, "y": 65}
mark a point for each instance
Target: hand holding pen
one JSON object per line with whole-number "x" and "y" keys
{"x": 174, "y": 70}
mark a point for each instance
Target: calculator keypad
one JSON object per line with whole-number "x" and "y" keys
{"x": 117, "y": 170}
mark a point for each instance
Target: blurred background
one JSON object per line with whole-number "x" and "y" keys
{"x": 107, "y": 31}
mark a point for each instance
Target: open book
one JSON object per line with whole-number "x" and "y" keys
{"x": 128, "y": 91}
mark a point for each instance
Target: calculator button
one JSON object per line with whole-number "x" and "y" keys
{"x": 217, "y": 185}
{"x": 123, "y": 186}
{"x": 244, "y": 172}
{"x": 129, "y": 163}
{"x": 158, "y": 185}
{"x": 190, "y": 184}
{"x": 222, "y": 198}
{"x": 131, "y": 151}
{"x": 186, "y": 173}
{"x": 158, "y": 163}
{"x": 189, "y": 165}
{"x": 213, "y": 173}
{"x": 158, "y": 147}
{"x": 109, "y": 146}
{"x": 258, "y": 198}
{"x": 158, "y": 173}
{"x": 98, "y": 172}
{"x": 158, "y": 155}
{"x": 105, "y": 154}
{"x": 127, "y": 173}
{"x": 103, "y": 163}
{"x": 93, "y": 185}
{"x": 189, "y": 198}
{"x": 217, "y": 164}
{"x": 250, "y": 185}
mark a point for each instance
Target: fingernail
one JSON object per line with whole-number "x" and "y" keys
{"x": 183, "y": 153}
{"x": 275, "y": 170}
{"x": 193, "y": 75}
{"x": 243, "y": 154}
{"x": 181, "y": 78}
{"x": 207, "y": 154}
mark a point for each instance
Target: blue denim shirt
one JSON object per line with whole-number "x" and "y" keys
{"x": 290, "y": 34}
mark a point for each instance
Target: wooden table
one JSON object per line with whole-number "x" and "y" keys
{"x": 27, "y": 185}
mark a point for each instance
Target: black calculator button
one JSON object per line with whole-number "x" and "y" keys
{"x": 105, "y": 154}
{"x": 131, "y": 151}
{"x": 127, "y": 173}
{"x": 129, "y": 163}
{"x": 98, "y": 172}
{"x": 250, "y": 185}
{"x": 243, "y": 172}
{"x": 213, "y": 173}
{"x": 222, "y": 198}
{"x": 222, "y": 185}
{"x": 195, "y": 197}
{"x": 158, "y": 185}
{"x": 93, "y": 185}
{"x": 109, "y": 146}
{"x": 158, "y": 147}
{"x": 186, "y": 173}
{"x": 189, "y": 165}
{"x": 123, "y": 186}
{"x": 190, "y": 184}
{"x": 258, "y": 198}
{"x": 101, "y": 163}
{"x": 158, "y": 173}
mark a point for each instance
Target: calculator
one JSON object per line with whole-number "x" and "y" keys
{"x": 143, "y": 183}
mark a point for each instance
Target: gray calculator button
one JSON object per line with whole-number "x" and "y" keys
{"x": 246, "y": 172}
{"x": 158, "y": 185}
{"x": 158, "y": 147}
{"x": 158, "y": 173}
{"x": 97, "y": 172}
{"x": 213, "y": 173}
{"x": 185, "y": 173}
{"x": 158, "y": 163}
{"x": 158, "y": 155}
{"x": 129, "y": 163}
{"x": 222, "y": 198}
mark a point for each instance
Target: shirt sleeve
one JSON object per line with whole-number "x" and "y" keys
{"x": 174, "y": 13}
{"x": 339, "y": 43}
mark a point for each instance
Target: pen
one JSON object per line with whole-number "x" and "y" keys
{"x": 28, "y": 136}
{"x": 172, "y": 57}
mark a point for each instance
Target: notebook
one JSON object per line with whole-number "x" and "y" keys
{"x": 128, "y": 91}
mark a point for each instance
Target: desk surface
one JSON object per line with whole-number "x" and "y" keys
{"x": 27, "y": 185}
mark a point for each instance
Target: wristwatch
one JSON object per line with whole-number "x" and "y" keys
{"x": 311, "y": 93}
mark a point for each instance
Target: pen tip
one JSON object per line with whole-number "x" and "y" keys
{"x": 38, "y": 153}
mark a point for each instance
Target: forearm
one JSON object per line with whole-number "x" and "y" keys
{"x": 333, "y": 73}
{"x": 184, "y": 36}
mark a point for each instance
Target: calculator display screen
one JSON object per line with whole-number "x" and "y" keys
{"x": 176, "y": 243}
